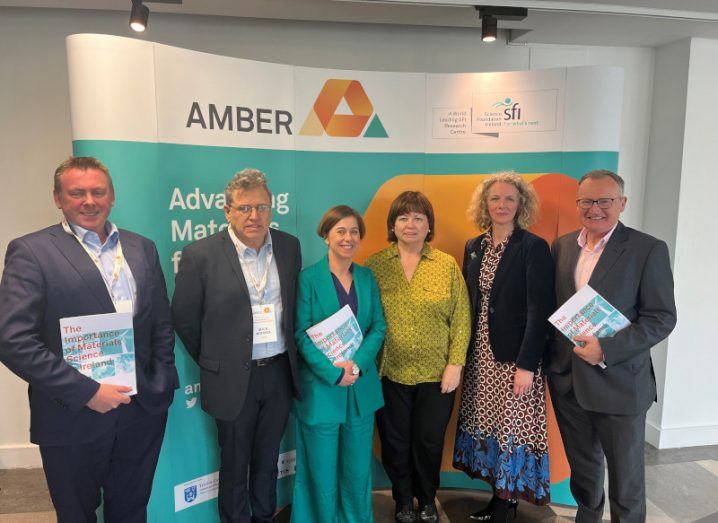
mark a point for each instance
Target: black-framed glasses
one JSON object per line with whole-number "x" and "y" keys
{"x": 262, "y": 208}
{"x": 603, "y": 203}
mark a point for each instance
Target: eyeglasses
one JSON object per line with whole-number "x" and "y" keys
{"x": 262, "y": 208}
{"x": 603, "y": 203}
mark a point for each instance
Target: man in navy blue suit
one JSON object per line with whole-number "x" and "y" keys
{"x": 93, "y": 438}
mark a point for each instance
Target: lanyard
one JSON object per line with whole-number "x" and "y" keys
{"x": 119, "y": 260}
{"x": 261, "y": 285}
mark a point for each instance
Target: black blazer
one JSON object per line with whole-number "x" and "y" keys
{"x": 522, "y": 298}
{"x": 49, "y": 276}
{"x": 212, "y": 315}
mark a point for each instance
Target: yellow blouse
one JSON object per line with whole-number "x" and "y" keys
{"x": 427, "y": 319}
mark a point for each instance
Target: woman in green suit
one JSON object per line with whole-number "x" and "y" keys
{"x": 335, "y": 417}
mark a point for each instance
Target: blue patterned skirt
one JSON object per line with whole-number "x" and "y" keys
{"x": 515, "y": 472}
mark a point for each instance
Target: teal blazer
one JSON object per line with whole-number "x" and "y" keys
{"x": 322, "y": 400}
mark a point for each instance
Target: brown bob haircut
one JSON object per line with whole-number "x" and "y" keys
{"x": 406, "y": 202}
{"x": 335, "y": 215}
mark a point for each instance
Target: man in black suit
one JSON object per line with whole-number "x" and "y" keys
{"x": 233, "y": 308}
{"x": 602, "y": 388}
{"x": 93, "y": 438}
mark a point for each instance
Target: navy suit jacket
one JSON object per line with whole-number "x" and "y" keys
{"x": 49, "y": 276}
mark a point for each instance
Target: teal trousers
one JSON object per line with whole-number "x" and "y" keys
{"x": 333, "y": 472}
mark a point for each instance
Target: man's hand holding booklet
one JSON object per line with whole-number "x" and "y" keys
{"x": 587, "y": 314}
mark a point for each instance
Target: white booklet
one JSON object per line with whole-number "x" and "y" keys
{"x": 102, "y": 347}
{"x": 339, "y": 336}
{"x": 587, "y": 313}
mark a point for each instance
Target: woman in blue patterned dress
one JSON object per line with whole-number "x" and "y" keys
{"x": 501, "y": 436}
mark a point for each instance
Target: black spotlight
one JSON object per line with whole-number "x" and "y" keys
{"x": 489, "y": 28}
{"x": 138, "y": 16}
{"x": 490, "y": 15}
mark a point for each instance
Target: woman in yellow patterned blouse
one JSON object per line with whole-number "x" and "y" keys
{"x": 427, "y": 313}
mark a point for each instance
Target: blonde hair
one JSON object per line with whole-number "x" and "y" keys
{"x": 526, "y": 214}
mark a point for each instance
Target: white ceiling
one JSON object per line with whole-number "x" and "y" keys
{"x": 594, "y": 22}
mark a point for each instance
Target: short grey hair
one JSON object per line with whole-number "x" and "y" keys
{"x": 603, "y": 173}
{"x": 246, "y": 180}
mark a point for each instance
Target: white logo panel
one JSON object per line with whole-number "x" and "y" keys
{"x": 195, "y": 491}
{"x": 514, "y": 112}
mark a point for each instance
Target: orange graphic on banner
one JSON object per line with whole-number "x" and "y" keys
{"x": 323, "y": 118}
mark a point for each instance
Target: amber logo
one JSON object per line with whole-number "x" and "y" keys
{"x": 323, "y": 117}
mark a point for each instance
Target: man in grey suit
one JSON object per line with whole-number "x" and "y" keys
{"x": 97, "y": 443}
{"x": 233, "y": 309}
{"x": 602, "y": 388}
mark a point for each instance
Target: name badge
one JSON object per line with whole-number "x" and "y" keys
{"x": 265, "y": 324}
{"x": 123, "y": 306}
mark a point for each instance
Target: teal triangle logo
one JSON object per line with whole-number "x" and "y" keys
{"x": 375, "y": 129}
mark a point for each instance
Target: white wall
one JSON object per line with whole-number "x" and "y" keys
{"x": 35, "y": 132}
{"x": 690, "y": 409}
{"x": 670, "y": 85}
{"x": 637, "y": 63}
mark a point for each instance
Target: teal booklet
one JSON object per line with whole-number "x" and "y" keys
{"x": 338, "y": 336}
{"x": 102, "y": 347}
{"x": 587, "y": 313}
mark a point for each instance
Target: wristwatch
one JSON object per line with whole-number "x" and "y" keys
{"x": 355, "y": 370}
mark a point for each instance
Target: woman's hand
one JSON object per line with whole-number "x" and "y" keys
{"x": 523, "y": 381}
{"x": 348, "y": 378}
{"x": 450, "y": 378}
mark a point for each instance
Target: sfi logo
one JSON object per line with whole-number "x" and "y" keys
{"x": 511, "y": 111}
{"x": 323, "y": 118}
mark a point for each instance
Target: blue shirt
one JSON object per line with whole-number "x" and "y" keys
{"x": 253, "y": 265}
{"x": 344, "y": 297}
{"x": 124, "y": 288}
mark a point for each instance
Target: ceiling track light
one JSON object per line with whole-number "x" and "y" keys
{"x": 489, "y": 28}
{"x": 138, "y": 16}
{"x": 490, "y": 16}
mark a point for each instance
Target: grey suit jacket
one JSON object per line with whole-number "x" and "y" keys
{"x": 634, "y": 275}
{"x": 212, "y": 315}
{"x": 48, "y": 276}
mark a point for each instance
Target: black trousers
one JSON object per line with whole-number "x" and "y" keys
{"x": 122, "y": 463}
{"x": 587, "y": 437}
{"x": 249, "y": 446}
{"x": 411, "y": 426}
